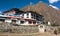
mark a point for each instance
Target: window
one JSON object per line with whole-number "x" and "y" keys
{"x": 41, "y": 26}
{"x": 13, "y": 20}
{"x": 27, "y": 15}
{"x": 22, "y": 16}
{"x": 34, "y": 22}
{"x": 32, "y": 16}
{"x": 30, "y": 22}
{"x": 2, "y": 20}
{"x": 22, "y": 22}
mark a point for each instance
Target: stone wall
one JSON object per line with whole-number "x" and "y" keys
{"x": 25, "y": 29}
{"x": 6, "y": 27}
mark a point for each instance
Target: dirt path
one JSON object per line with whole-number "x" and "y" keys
{"x": 29, "y": 34}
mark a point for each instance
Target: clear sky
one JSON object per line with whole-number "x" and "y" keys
{"x": 8, "y": 4}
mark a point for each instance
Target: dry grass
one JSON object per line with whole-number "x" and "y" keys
{"x": 29, "y": 34}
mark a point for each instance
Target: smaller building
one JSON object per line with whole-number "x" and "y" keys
{"x": 42, "y": 28}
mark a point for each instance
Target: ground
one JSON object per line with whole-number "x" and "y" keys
{"x": 29, "y": 34}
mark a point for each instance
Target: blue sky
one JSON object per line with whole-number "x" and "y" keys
{"x": 8, "y": 4}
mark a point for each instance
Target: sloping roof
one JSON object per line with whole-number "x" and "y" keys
{"x": 14, "y": 9}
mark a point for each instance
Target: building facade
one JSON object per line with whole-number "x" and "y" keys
{"x": 24, "y": 18}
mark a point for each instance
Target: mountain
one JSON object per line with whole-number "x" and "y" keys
{"x": 49, "y": 13}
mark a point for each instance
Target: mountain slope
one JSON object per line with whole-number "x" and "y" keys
{"x": 49, "y": 13}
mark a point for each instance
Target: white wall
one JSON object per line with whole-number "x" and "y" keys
{"x": 25, "y": 15}
{"x": 8, "y": 20}
{"x": 41, "y": 29}
{"x": 17, "y": 21}
{"x": 26, "y": 22}
{"x": 29, "y": 15}
{"x": 49, "y": 23}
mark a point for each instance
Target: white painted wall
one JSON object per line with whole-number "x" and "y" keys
{"x": 49, "y": 23}
{"x": 29, "y": 15}
{"x": 8, "y": 20}
{"x": 41, "y": 29}
{"x": 17, "y": 21}
{"x": 25, "y": 15}
{"x": 26, "y": 22}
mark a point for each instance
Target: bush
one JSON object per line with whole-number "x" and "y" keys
{"x": 55, "y": 32}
